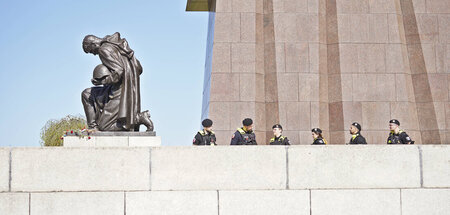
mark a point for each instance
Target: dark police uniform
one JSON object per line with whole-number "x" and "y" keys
{"x": 400, "y": 138}
{"x": 204, "y": 138}
{"x": 281, "y": 140}
{"x": 357, "y": 139}
{"x": 319, "y": 141}
{"x": 241, "y": 137}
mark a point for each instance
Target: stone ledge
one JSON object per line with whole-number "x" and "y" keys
{"x": 119, "y": 133}
{"x": 80, "y": 169}
{"x": 112, "y": 141}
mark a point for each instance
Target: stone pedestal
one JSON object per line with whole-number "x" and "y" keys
{"x": 113, "y": 139}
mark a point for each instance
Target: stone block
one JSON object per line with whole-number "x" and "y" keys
{"x": 4, "y": 169}
{"x": 221, "y": 60}
{"x": 80, "y": 169}
{"x": 243, "y": 57}
{"x": 218, "y": 90}
{"x": 352, "y": 6}
{"x": 428, "y": 28}
{"x": 344, "y": 27}
{"x": 314, "y": 58}
{"x": 244, "y": 6}
{"x": 112, "y": 141}
{"x": 436, "y": 168}
{"x": 227, "y": 27}
{"x": 308, "y": 87}
{"x": 240, "y": 111}
{"x": 377, "y": 87}
{"x": 293, "y": 136}
{"x": 429, "y": 56}
{"x": 396, "y": 33}
{"x": 288, "y": 87}
{"x": 14, "y": 203}
{"x": 68, "y": 203}
{"x": 307, "y": 27}
{"x": 406, "y": 113}
{"x": 221, "y": 113}
{"x": 378, "y": 27}
{"x": 264, "y": 202}
{"x": 371, "y": 58}
{"x": 444, "y": 28}
{"x": 305, "y": 137}
{"x": 348, "y": 54}
{"x": 404, "y": 88}
{"x": 419, "y": 6}
{"x": 382, "y": 6}
{"x": 294, "y": 6}
{"x": 285, "y": 27}
{"x": 439, "y": 87}
{"x": 280, "y": 57}
{"x": 144, "y": 141}
{"x": 248, "y": 27}
{"x": 352, "y": 112}
{"x": 375, "y": 115}
{"x": 297, "y": 57}
{"x": 442, "y": 58}
{"x": 353, "y": 167}
{"x": 437, "y": 6}
{"x": 247, "y": 87}
{"x": 172, "y": 202}
{"x": 223, "y": 6}
{"x": 425, "y": 201}
{"x": 394, "y": 58}
{"x": 360, "y": 24}
{"x": 222, "y": 168}
{"x": 298, "y": 116}
{"x": 370, "y": 202}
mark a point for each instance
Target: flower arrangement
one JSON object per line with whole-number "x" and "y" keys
{"x": 81, "y": 133}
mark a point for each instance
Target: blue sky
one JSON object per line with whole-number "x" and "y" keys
{"x": 44, "y": 69}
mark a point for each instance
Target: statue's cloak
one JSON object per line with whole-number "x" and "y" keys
{"x": 119, "y": 58}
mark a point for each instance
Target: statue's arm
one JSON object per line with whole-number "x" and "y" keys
{"x": 112, "y": 62}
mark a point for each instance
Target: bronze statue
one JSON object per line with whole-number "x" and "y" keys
{"x": 114, "y": 103}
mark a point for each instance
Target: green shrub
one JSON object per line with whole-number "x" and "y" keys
{"x": 53, "y": 130}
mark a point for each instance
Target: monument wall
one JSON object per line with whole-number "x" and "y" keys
{"x": 328, "y": 63}
{"x": 305, "y": 180}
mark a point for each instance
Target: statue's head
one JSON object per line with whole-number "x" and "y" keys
{"x": 91, "y": 44}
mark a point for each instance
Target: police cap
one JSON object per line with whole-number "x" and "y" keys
{"x": 395, "y": 122}
{"x": 207, "y": 123}
{"x": 316, "y": 130}
{"x": 247, "y": 122}
{"x": 277, "y": 126}
{"x": 357, "y": 125}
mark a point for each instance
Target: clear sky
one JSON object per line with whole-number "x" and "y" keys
{"x": 44, "y": 70}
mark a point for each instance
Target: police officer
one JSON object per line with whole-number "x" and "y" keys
{"x": 278, "y": 139}
{"x": 205, "y": 136}
{"x": 244, "y": 135}
{"x": 397, "y": 136}
{"x": 355, "y": 131}
{"x": 317, "y": 136}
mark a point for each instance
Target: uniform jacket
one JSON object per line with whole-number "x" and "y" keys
{"x": 241, "y": 137}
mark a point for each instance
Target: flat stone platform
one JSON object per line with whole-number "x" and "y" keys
{"x": 113, "y": 139}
